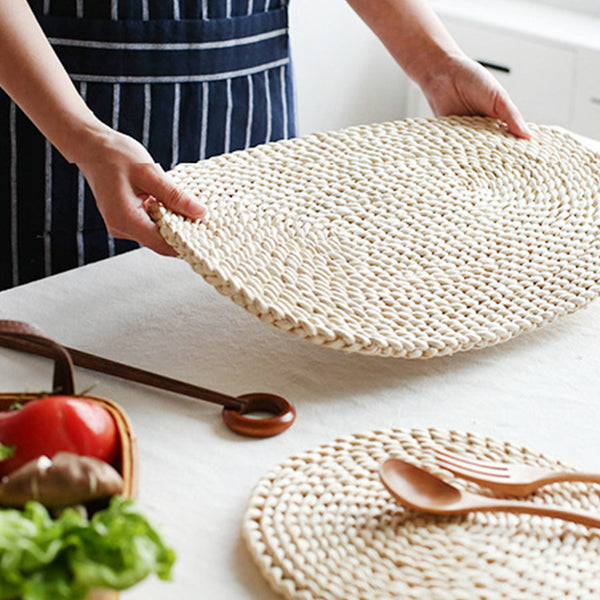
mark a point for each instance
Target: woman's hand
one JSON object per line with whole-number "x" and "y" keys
{"x": 420, "y": 43}
{"x": 123, "y": 177}
{"x": 119, "y": 170}
{"x": 461, "y": 86}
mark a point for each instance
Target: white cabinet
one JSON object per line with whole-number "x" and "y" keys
{"x": 586, "y": 112}
{"x": 548, "y": 61}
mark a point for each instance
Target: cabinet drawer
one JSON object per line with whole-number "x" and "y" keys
{"x": 586, "y": 114}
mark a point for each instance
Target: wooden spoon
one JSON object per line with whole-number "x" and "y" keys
{"x": 27, "y": 338}
{"x": 420, "y": 490}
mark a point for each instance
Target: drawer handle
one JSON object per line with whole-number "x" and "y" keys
{"x": 595, "y": 100}
{"x": 493, "y": 66}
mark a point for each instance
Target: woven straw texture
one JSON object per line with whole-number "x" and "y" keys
{"x": 321, "y": 526}
{"x": 413, "y": 239}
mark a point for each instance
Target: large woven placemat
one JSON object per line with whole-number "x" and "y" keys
{"x": 413, "y": 239}
{"x": 321, "y": 526}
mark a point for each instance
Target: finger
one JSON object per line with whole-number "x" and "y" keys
{"x": 158, "y": 184}
{"x": 151, "y": 240}
{"x": 158, "y": 245}
{"x": 506, "y": 110}
{"x": 144, "y": 231}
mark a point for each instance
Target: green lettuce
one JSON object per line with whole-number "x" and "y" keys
{"x": 42, "y": 558}
{"x": 6, "y": 451}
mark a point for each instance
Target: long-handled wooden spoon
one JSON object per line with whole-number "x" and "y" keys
{"x": 420, "y": 490}
{"x": 22, "y": 336}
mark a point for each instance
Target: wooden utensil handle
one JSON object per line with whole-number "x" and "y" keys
{"x": 581, "y": 517}
{"x": 27, "y": 338}
{"x": 234, "y": 409}
{"x": 571, "y": 476}
{"x": 22, "y": 336}
{"x": 117, "y": 369}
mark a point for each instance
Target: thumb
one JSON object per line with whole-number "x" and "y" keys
{"x": 155, "y": 182}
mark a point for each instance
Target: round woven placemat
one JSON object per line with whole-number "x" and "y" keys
{"x": 413, "y": 239}
{"x": 321, "y": 526}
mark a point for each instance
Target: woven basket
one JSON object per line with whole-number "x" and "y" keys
{"x": 127, "y": 461}
{"x": 127, "y": 464}
{"x": 414, "y": 239}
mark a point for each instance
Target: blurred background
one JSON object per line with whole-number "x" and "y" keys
{"x": 546, "y": 53}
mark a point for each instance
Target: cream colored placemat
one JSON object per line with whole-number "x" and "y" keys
{"x": 412, "y": 239}
{"x": 321, "y": 526}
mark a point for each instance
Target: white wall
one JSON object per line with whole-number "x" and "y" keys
{"x": 344, "y": 76}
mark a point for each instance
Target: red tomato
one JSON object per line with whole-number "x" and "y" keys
{"x": 54, "y": 424}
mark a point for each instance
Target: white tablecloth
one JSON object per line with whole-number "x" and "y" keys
{"x": 541, "y": 390}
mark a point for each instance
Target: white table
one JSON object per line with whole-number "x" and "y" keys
{"x": 541, "y": 390}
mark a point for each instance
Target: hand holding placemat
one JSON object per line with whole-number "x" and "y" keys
{"x": 414, "y": 239}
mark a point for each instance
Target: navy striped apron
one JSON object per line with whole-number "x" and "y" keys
{"x": 189, "y": 79}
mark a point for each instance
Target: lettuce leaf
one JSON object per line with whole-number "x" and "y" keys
{"x": 6, "y": 451}
{"x": 42, "y": 558}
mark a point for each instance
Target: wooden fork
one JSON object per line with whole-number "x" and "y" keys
{"x": 510, "y": 479}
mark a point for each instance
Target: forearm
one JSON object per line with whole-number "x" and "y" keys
{"x": 32, "y": 75}
{"x": 411, "y": 31}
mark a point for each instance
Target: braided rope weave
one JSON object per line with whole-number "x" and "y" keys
{"x": 412, "y": 239}
{"x": 321, "y": 526}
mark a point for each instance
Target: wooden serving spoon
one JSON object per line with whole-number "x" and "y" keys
{"x": 27, "y": 338}
{"x": 420, "y": 490}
